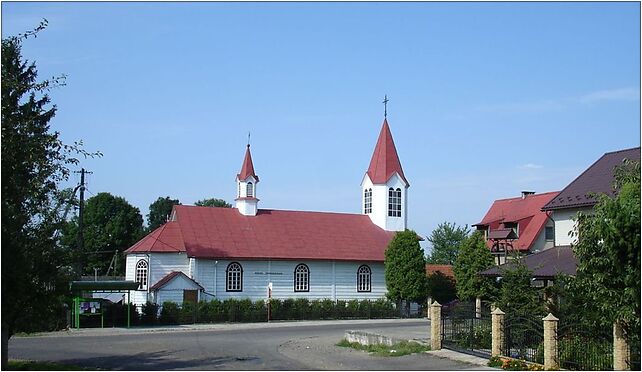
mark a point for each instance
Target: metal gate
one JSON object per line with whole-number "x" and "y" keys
{"x": 463, "y": 330}
{"x": 524, "y": 338}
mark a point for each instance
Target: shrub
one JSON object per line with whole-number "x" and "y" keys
{"x": 495, "y": 361}
{"x": 187, "y": 314}
{"x": 169, "y": 313}
{"x": 352, "y": 309}
{"x": 150, "y": 313}
{"x": 301, "y": 309}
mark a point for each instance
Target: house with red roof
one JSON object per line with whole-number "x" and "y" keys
{"x": 560, "y": 210}
{"x": 518, "y": 225}
{"x": 208, "y": 252}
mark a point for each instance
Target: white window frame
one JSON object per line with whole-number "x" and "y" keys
{"x": 301, "y": 278}
{"x": 234, "y": 277}
{"x": 364, "y": 279}
{"x": 394, "y": 202}
{"x": 142, "y": 273}
{"x": 367, "y": 201}
{"x": 249, "y": 190}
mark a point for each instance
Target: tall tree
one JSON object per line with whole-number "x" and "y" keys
{"x": 441, "y": 287}
{"x": 517, "y": 297}
{"x": 608, "y": 251}
{"x": 111, "y": 225}
{"x": 213, "y": 202}
{"x": 34, "y": 160}
{"x": 405, "y": 269}
{"x": 159, "y": 211}
{"x": 474, "y": 256}
{"x": 445, "y": 241}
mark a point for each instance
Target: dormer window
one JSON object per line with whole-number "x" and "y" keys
{"x": 394, "y": 202}
{"x": 249, "y": 190}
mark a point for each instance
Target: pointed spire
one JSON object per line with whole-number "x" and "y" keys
{"x": 248, "y": 167}
{"x": 385, "y": 161}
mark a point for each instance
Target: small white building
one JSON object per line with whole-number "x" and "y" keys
{"x": 206, "y": 252}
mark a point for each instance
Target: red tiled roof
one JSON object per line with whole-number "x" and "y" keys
{"x": 526, "y": 212}
{"x": 219, "y": 233}
{"x": 447, "y": 270}
{"x": 385, "y": 161}
{"x": 169, "y": 277}
{"x": 598, "y": 178}
{"x": 166, "y": 238}
{"x": 247, "y": 169}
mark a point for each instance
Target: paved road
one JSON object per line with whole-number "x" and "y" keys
{"x": 310, "y": 345}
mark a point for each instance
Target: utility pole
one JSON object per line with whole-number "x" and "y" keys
{"x": 81, "y": 238}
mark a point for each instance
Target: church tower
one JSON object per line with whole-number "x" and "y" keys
{"x": 246, "y": 180}
{"x": 384, "y": 188}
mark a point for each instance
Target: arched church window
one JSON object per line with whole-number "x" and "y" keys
{"x": 394, "y": 202}
{"x": 364, "y": 276}
{"x": 301, "y": 278}
{"x": 234, "y": 277}
{"x": 367, "y": 201}
{"x": 141, "y": 274}
{"x": 249, "y": 190}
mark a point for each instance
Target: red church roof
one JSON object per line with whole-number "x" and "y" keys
{"x": 385, "y": 161}
{"x": 224, "y": 233}
{"x": 526, "y": 212}
{"x": 166, "y": 239}
{"x": 247, "y": 169}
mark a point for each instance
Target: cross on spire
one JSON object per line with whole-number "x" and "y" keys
{"x": 385, "y": 106}
{"x": 248, "y": 139}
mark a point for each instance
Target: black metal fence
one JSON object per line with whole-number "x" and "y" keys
{"x": 634, "y": 343}
{"x": 524, "y": 338}
{"x": 466, "y": 331}
{"x": 582, "y": 348}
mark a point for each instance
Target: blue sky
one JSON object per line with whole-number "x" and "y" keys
{"x": 486, "y": 99}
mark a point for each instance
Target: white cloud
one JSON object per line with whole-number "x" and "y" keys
{"x": 530, "y": 166}
{"x": 621, "y": 94}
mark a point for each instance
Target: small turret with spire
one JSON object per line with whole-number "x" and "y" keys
{"x": 384, "y": 186}
{"x": 246, "y": 181}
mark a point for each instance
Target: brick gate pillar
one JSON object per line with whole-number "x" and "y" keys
{"x": 550, "y": 342}
{"x": 621, "y": 351}
{"x": 435, "y": 326}
{"x": 497, "y": 335}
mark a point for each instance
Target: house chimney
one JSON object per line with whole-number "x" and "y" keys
{"x": 527, "y": 193}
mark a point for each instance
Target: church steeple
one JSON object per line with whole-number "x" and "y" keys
{"x": 246, "y": 181}
{"x": 385, "y": 161}
{"x": 384, "y": 186}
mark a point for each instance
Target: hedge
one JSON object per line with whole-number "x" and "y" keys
{"x": 234, "y": 310}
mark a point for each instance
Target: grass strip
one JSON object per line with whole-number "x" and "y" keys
{"x": 30, "y": 365}
{"x": 399, "y": 349}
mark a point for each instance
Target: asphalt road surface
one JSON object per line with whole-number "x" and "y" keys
{"x": 292, "y": 347}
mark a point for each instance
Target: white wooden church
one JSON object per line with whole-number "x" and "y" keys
{"x": 206, "y": 252}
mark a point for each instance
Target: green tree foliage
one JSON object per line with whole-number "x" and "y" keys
{"x": 213, "y": 202}
{"x": 517, "y": 297}
{"x": 608, "y": 251}
{"x": 159, "y": 211}
{"x": 405, "y": 268}
{"x": 441, "y": 287}
{"x": 474, "y": 256}
{"x": 111, "y": 225}
{"x": 34, "y": 160}
{"x": 445, "y": 241}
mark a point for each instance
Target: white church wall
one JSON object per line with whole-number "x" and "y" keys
{"x": 140, "y": 296}
{"x": 159, "y": 265}
{"x": 257, "y": 275}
